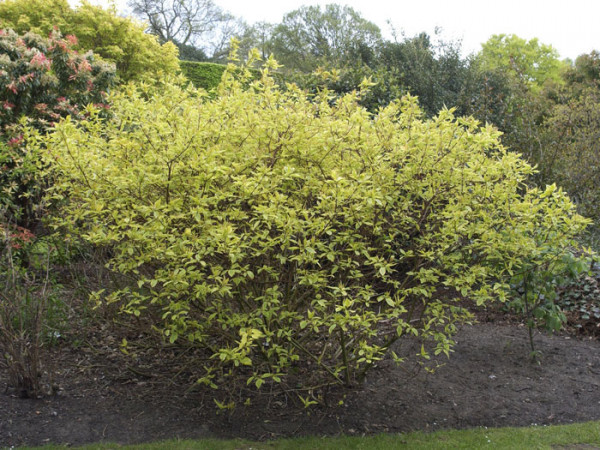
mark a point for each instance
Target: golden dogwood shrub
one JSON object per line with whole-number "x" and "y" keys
{"x": 280, "y": 232}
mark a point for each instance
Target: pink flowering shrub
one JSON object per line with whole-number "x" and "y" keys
{"x": 45, "y": 79}
{"x": 42, "y": 80}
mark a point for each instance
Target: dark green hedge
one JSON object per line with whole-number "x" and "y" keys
{"x": 203, "y": 74}
{"x": 207, "y": 75}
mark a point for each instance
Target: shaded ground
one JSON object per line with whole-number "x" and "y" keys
{"x": 488, "y": 381}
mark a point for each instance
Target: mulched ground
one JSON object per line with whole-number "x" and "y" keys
{"x": 489, "y": 380}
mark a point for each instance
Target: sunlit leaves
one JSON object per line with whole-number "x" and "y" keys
{"x": 274, "y": 228}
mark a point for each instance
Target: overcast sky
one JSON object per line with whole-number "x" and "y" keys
{"x": 572, "y": 27}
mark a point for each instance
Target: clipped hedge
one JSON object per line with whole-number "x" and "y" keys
{"x": 207, "y": 76}
{"x": 203, "y": 75}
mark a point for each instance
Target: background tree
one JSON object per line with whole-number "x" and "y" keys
{"x": 585, "y": 72}
{"x": 571, "y": 135}
{"x": 548, "y": 110}
{"x": 484, "y": 94}
{"x": 530, "y": 61}
{"x": 432, "y": 70}
{"x": 188, "y": 23}
{"x": 258, "y": 36}
{"x": 191, "y": 53}
{"x": 334, "y": 36}
{"x": 38, "y": 16}
{"x": 526, "y": 75}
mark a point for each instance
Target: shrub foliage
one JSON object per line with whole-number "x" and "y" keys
{"x": 281, "y": 232}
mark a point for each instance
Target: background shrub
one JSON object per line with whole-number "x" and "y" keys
{"x": 116, "y": 39}
{"x": 41, "y": 81}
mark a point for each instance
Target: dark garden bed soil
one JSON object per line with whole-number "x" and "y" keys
{"x": 489, "y": 381}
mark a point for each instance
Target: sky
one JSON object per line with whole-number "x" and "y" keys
{"x": 571, "y": 27}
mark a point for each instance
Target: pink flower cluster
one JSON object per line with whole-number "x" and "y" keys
{"x": 25, "y": 78}
{"x": 39, "y": 61}
{"x": 12, "y": 86}
{"x": 71, "y": 39}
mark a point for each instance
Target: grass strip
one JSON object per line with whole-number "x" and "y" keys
{"x": 583, "y": 435}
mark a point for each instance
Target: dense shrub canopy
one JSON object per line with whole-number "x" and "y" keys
{"x": 273, "y": 229}
{"x": 572, "y": 145}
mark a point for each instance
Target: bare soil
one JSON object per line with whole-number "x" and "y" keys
{"x": 490, "y": 380}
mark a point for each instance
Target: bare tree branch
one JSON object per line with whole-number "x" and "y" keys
{"x": 198, "y": 23}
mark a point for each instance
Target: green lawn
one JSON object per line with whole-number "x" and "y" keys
{"x": 538, "y": 437}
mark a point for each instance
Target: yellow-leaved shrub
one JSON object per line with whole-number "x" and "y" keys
{"x": 281, "y": 232}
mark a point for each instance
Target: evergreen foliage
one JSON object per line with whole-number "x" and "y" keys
{"x": 203, "y": 75}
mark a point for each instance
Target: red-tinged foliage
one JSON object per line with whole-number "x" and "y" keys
{"x": 42, "y": 80}
{"x": 45, "y": 79}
